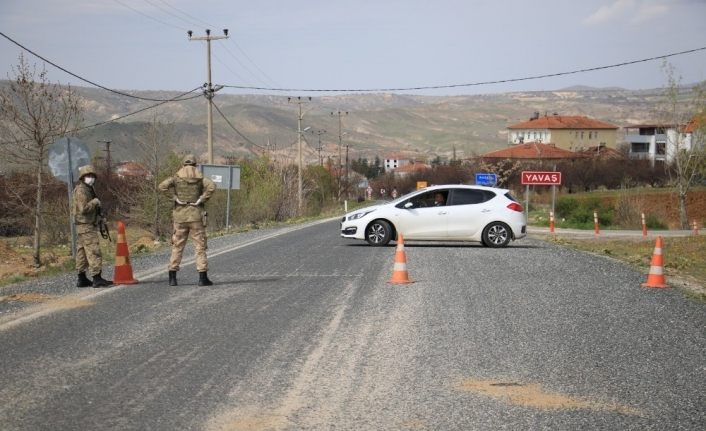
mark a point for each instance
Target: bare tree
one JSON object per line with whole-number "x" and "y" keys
{"x": 33, "y": 114}
{"x": 141, "y": 196}
{"x": 685, "y": 152}
{"x": 154, "y": 144}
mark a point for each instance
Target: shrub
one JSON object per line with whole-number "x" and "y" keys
{"x": 578, "y": 213}
{"x": 653, "y": 222}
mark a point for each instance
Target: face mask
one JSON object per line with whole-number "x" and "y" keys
{"x": 89, "y": 180}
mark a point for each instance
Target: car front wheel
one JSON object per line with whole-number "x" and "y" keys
{"x": 378, "y": 233}
{"x": 497, "y": 234}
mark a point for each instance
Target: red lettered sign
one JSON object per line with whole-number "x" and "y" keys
{"x": 536, "y": 178}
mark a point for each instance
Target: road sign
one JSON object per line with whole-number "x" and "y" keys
{"x": 225, "y": 177}
{"x": 486, "y": 179}
{"x": 537, "y": 178}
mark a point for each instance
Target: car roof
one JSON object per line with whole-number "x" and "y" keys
{"x": 465, "y": 186}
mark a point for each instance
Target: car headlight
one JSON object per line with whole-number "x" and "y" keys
{"x": 356, "y": 216}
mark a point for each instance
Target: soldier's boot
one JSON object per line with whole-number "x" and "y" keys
{"x": 83, "y": 281}
{"x": 172, "y": 278}
{"x": 99, "y": 281}
{"x": 203, "y": 279}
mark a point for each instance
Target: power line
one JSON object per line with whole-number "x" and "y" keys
{"x": 187, "y": 14}
{"x": 236, "y": 74}
{"x": 265, "y": 75}
{"x": 112, "y": 120}
{"x": 194, "y": 19}
{"x": 501, "y": 81}
{"x": 148, "y": 16}
{"x": 236, "y": 130}
{"x": 245, "y": 67}
{"x": 82, "y": 78}
{"x": 168, "y": 12}
{"x": 209, "y": 25}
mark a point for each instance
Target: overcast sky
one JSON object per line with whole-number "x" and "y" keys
{"x": 358, "y": 44}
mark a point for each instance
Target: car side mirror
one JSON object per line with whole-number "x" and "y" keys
{"x": 408, "y": 205}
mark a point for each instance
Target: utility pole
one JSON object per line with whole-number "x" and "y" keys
{"x": 319, "y": 148}
{"x": 347, "y": 179}
{"x": 300, "y": 102}
{"x": 107, "y": 157}
{"x": 209, "y": 91}
{"x": 339, "y": 113}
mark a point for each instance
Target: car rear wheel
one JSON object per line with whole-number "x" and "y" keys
{"x": 378, "y": 233}
{"x": 497, "y": 234}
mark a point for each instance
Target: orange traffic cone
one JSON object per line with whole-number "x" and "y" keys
{"x": 123, "y": 269}
{"x": 656, "y": 276}
{"x": 399, "y": 273}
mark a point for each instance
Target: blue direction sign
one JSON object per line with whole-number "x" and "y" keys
{"x": 485, "y": 179}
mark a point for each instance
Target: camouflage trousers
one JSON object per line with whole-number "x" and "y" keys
{"x": 88, "y": 253}
{"x": 179, "y": 237}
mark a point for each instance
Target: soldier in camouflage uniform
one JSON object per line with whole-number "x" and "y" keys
{"x": 86, "y": 211}
{"x": 190, "y": 191}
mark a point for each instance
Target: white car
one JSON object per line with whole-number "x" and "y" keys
{"x": 441, "y": 213}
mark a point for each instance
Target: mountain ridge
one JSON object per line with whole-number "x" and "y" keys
{"x": 375, "y": 124}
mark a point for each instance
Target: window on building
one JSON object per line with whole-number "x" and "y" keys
{"x": 661, "y": 148}
{"x": 639, "y": 147}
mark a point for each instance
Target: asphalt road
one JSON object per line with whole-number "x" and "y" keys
{"x": 303, "y": 332}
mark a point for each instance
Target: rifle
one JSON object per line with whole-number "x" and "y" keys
{"x": 102, "y": 225}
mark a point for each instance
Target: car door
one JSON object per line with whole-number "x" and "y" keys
{"x": 468, "y": 211}
{"x": 419, "y": 218}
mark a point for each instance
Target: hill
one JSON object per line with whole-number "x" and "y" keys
{"x": 376, "y": 124}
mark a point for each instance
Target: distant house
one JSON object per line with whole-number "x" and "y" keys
{"x": 573, "y": 133}
{"x": 397, "y": 160}
{"x": 132, "y": 170}
{"x": 659, "y": 142}
{"x": 411, "y": 169}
